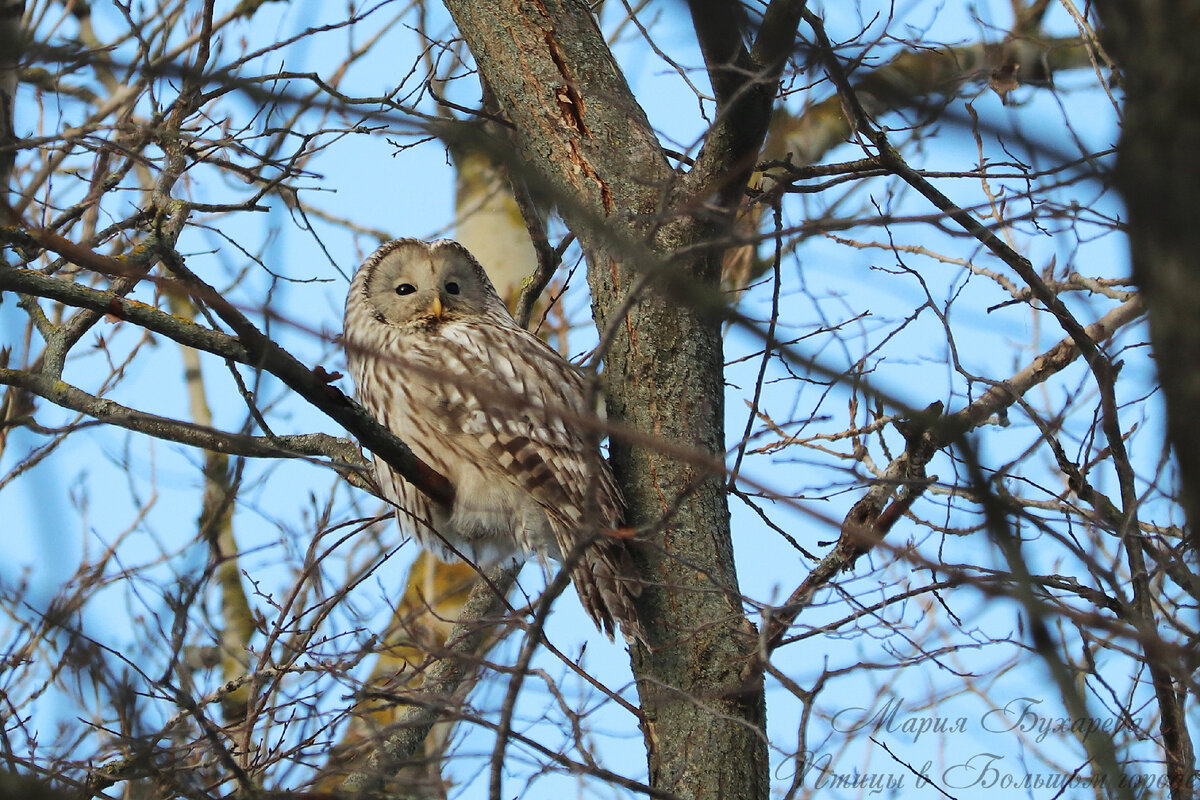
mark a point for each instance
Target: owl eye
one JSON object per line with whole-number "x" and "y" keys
{"x": 405, "y": 288}
{"x": 452, "y": 287}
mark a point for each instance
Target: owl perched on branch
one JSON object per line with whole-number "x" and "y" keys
{"x": 439, "y": 361}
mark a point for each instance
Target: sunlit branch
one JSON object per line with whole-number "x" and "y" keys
{"x": 443, "y": 679}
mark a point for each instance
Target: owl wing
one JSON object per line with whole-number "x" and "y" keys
{"x": 528, "y": 409}
{"x": 534, "y": 426}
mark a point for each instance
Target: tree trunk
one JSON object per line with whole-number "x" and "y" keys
{"x": 586, "y": 142}
{"x": 1155, "y": 43}
{"x": 11, "y": 46}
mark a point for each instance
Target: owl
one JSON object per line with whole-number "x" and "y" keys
{"x": 438, "y": 360}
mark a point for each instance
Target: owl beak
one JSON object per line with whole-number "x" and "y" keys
{"x": 436, "y": 308}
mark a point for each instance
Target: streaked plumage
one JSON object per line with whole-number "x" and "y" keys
{"x": 437, "y": 358}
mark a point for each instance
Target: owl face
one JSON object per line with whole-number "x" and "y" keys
{"x": 409, "y": 283}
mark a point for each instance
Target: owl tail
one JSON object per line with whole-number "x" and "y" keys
{"x": 607, "y": 582}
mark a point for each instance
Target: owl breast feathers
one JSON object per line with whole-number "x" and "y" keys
{"x": 438, "y": 360}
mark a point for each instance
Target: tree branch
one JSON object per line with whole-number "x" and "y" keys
{"x": 868, "y": 523}
{"x": 252, "y": 348}
{"x": 745, "y": 85}
{"x": 343, "y": 455}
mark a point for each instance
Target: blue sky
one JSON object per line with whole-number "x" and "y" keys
{"x": 73, "y": 505}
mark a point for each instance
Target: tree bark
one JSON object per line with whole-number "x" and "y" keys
{"x": 1155, "y": 42}
{"x": 11, "y": 45}
{"x": 1158, "y": 169}
{"x": 585, "y": 141}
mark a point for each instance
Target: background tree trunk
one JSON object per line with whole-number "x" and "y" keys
{"x": 11, "y": 45}
{"x": 1154, "y": 44}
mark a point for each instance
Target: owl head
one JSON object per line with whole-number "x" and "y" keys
{"x": 408, "y": 283}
